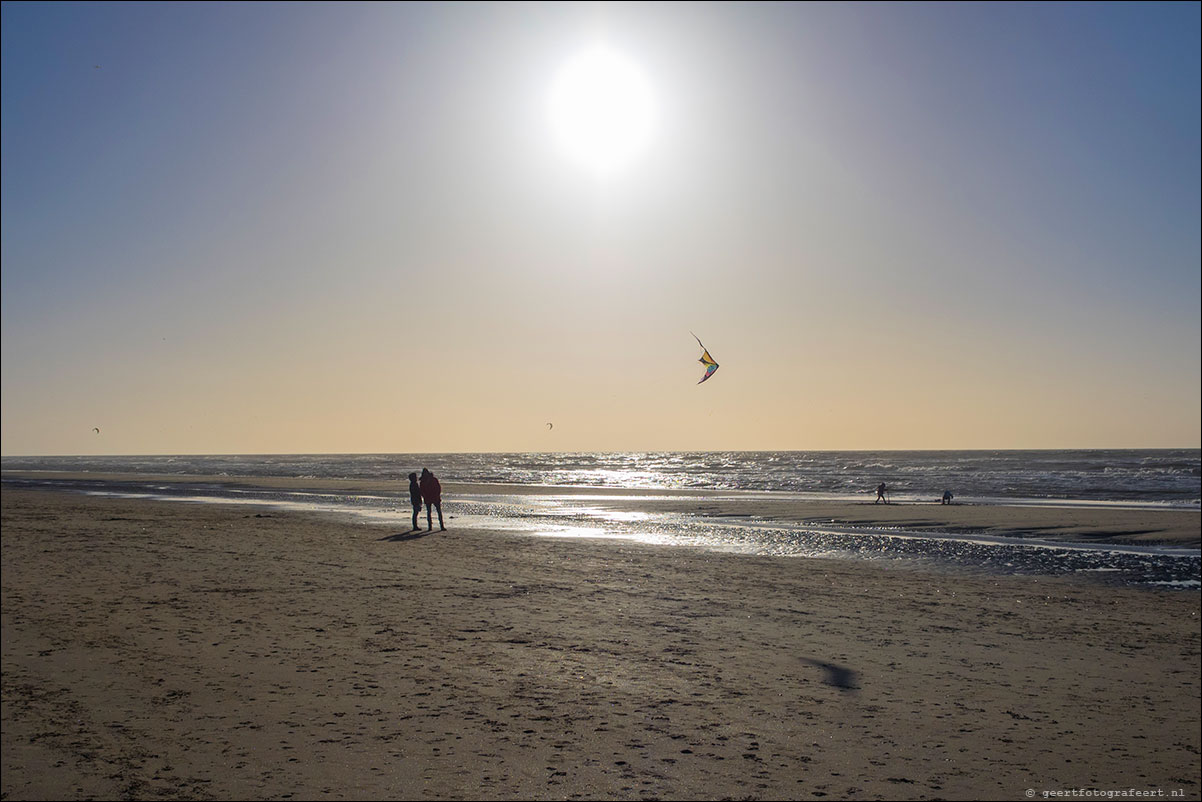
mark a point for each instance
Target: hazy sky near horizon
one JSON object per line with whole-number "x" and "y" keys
{"x": 294, "y": 228}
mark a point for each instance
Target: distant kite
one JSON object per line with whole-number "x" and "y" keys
{"x": 710, "y": 365}
{"x": 550, "y": 426}
{"x": 95, "y": 430}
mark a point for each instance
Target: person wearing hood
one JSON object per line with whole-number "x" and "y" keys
{"x": 432, "y": 495}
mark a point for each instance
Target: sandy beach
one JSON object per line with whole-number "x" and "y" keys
{"x": 1067, "y": 523}
{"x": 159, "y": 650}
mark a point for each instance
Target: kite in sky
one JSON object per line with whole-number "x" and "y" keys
{"x": 706, "y": 359}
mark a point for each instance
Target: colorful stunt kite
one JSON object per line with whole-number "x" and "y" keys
{"x": 710, "y": 365}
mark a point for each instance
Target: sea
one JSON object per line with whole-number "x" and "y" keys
{"x": 1128, "y": 478}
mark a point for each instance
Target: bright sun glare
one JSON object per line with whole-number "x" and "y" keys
{"x": 602, "y": 110}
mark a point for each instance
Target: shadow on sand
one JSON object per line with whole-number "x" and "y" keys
{"x": 413, "y": 534}
{"x": 836, "y": 676}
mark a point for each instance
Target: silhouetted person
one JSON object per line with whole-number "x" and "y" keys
{"x": 947, "y": 497}
{"x": 432, "y": 495}
{"x": 415, "y": 498}
{"x": 880, "y": 494}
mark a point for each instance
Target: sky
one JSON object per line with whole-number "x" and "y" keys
{"x": 337, "y": 228}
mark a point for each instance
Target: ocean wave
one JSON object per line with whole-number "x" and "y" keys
{"x": 1138, "y": 476}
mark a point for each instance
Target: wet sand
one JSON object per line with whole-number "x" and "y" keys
{"x": 1068, "y": 523}
{"x": 165, "y": 650}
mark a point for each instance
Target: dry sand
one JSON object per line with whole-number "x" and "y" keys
{"x": 159, "y": 650}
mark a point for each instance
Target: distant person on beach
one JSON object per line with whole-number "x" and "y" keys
{"x": 880, "y": 494}
{"x": 432, "y": 495}
{"x": 947, "y": 497}
{"x": 415, "y": 498}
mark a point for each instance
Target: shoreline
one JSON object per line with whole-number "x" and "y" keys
{"x": 160, "y": 650}
{"x": 1068, "y": 523}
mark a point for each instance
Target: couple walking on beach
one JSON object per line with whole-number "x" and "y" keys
{"x": 430, "y": 491}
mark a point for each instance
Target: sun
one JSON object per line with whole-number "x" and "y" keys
{"x": 602, "y": 110}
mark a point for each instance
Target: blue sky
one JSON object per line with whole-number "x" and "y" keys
{"x": 343, "y": 227}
